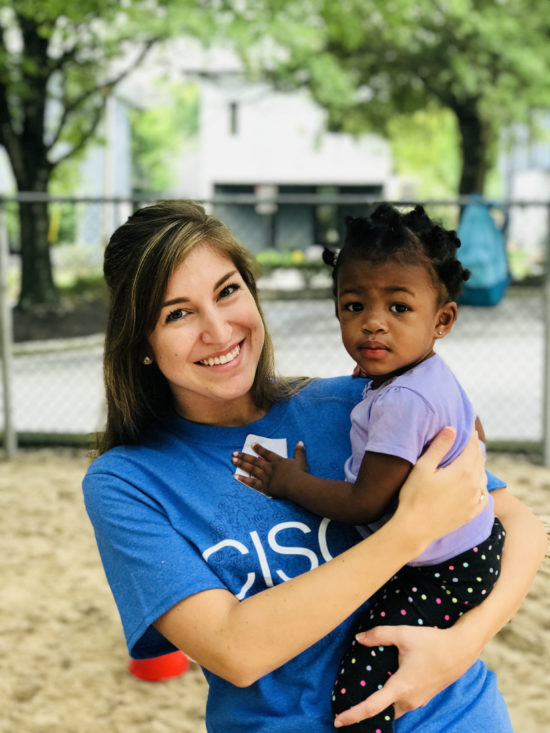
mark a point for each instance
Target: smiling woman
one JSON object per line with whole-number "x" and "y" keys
{"x": 145, "y": 262}
{"x": 263, "y": 593}
{"x": 208, "y": 339}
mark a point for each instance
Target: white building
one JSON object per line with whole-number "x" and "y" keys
{"x": 526, "y": 169}
{"x": 252, "y": 140}
{"x": 106, "y": 173}
{"x": 255, "y": 140}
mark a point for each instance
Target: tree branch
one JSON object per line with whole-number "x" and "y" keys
{"x": 69, "y": 108}
{"x": 86, "y": 136}
{"x": 69, "y": 55}
{"x": 8, "y": 137}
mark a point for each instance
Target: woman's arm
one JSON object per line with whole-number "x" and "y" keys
{"x": 524, "y": 550}
{"x": 242, "y": 641}
{"x": 431, "y": 659}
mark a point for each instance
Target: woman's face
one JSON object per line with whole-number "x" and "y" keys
{"x": 208, "y": 339}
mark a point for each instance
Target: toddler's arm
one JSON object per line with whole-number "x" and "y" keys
{"x": 380, "y": 478}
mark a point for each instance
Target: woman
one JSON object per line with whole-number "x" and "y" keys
{"x": 198, "y": 561}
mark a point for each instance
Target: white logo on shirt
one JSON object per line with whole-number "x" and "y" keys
{"x": 275, "y": 546}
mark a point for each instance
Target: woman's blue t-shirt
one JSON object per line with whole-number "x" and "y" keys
{"x": 170, "y": 520}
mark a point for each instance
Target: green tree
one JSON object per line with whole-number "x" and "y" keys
{"x": 59, "y": 61}
{"x": 368, "y": 61}
{"x": 159, "y": 134}
{"x": 433, "y": 169}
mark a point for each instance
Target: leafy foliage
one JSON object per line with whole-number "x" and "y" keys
{"x": 59, "y": 62}
{"x": 432, "y": 169}
{"x": 368, "y": 61}
{"x": 158, "y": 134}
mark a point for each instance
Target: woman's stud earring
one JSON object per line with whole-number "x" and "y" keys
{"x": 147, "y": 360}
{"x": 440, "y": 333}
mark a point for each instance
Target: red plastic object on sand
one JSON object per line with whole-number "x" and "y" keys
{"x": 157, "y": 669}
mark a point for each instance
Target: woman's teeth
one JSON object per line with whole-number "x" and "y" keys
{"x": 214, "y": 361}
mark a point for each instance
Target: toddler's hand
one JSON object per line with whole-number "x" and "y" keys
{"x": 268, "y": 472}
{"x": 358, "y": 372}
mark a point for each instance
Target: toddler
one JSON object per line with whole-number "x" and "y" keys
{"x": 396, "y": 281}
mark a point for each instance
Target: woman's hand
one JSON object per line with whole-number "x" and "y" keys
{"x": 437, "y": 501}
{"x": 429, "y": 660}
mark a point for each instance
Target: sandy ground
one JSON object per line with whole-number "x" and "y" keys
{"x": 62, "y": 654}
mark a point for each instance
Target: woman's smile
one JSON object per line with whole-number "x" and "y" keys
{"x": 224, "y": 358}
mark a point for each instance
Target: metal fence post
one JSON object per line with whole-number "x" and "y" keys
{"x": 546, "y": 377}
{"x": 10, "y": 436}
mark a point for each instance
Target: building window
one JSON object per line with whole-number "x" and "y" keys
{"x": 233, "y": 118}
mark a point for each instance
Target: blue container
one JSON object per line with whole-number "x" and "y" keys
{"x": 483, "y": 252}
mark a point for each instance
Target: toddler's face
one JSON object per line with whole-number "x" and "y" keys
{"x": 389, "y": 315}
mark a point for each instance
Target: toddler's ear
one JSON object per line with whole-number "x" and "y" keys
{"x": 446, "y": 316}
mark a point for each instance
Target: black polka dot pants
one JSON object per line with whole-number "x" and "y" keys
{"x": 434, "y": 595}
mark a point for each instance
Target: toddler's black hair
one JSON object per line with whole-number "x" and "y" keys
{"x": 387, "y": 234}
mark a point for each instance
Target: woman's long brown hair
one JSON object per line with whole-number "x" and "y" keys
{"x": 141, "y": 256}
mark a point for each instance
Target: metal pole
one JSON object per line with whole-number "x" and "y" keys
{"x": 546, "y": 318}
{"x": 10, "y": 436}
{"x": 106, "y": 209}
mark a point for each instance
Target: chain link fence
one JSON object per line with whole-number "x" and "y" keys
{"x": 52, "y": 389}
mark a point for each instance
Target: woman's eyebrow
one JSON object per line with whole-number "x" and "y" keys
{"x": 183, "y": 299}
{"x": 224, "y": 278}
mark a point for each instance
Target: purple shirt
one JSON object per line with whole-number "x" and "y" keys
{"x": 401, "y": 418}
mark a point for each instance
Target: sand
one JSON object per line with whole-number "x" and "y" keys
{"x": 62, "y": 654}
